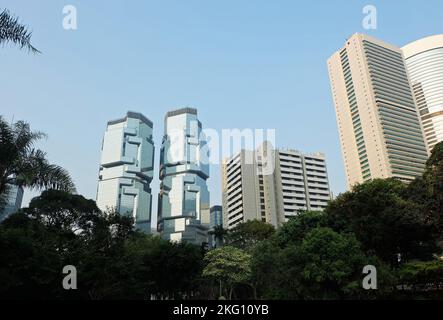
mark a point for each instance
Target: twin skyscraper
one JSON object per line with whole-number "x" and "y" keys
{"x": 127, "y": 167}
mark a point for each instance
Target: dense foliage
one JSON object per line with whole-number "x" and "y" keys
{"x": 113, "y": 261}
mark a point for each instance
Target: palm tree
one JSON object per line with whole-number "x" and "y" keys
{"x": 219, "y": 234}
{"x": 23, "y": 165}
{"x": 13, "y": 31}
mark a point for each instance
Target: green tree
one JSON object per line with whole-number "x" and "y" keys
{"x": 30, "y": 266}
{"x": 427, "y": 191}
{"x": 13, "y": 31}
{"x": 293, "y": 231}
{"x": 113, "y": 260}
{"x": 421, "y": 276}
{"x": 306, "y": 259}
{"x": 332, "y": 266}
{"x": 384, "y": 220}
{"x": 58, "y": 229}
{"x": 269, "y": 262}
{"x": 228, "y": 266}
{"x": 22, "y": 164}
{"x": 434, "y": 169}
{"x": 167, "y": 269}
{"x": 62, "y": 210}
{"x": 245, "y": 235}
{"x": 103, "y": 267}
{"x": 270, "y": 273}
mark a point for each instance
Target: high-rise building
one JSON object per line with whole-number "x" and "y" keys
{"x": 304, "y": 181}
{"x": 240, "y": 189}
{"x": 183, "y": 208}
{"x": 272, "y": 185}
{"x": 126, "y": 169}
{"x": 13, "y": 201}
{"x": 216, "y": 216}
{"x": 216, "y": 220}
{"x": 378, "y": 121}
{"x": 424, "y": 61}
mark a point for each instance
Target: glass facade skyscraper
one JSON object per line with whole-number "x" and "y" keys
{"x": 183, "y": 208}
{"x": 126, "y": 169}
{"x": 216, "y": 218}
{"x": 14, "y": 201}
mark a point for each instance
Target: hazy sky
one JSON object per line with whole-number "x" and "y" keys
{"x": 242, "y": 64}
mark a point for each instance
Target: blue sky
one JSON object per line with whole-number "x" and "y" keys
{"x": 242, "y": 64}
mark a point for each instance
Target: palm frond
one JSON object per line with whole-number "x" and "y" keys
{"x": 5, "y": 131}
{"x": 7, "y": 148}
{"x": 11, "y": 30}
{"x": 24, "y": 138}
{"x": 52, "y": 176}
{"x": 36, "y": 172}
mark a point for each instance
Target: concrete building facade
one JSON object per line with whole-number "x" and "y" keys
{"x": 378, "y": 121}
{"x": 272, "y": 185}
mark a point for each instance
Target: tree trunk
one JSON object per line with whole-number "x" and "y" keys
{"x": 221, "y": 292}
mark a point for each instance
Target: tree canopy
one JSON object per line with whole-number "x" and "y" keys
{"x": 245, "y": 235}
{"x": 385, "y": 221}
{"x": 228, "y": 266}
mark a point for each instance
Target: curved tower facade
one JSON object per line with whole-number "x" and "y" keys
{"x": 183, "y": 208}
{"x": 424, "y": 61}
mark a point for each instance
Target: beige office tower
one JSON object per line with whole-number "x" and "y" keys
{"x": 272, "y": 185}
{"x": 424, "y": 61}
{"x": 378, "y": 121}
